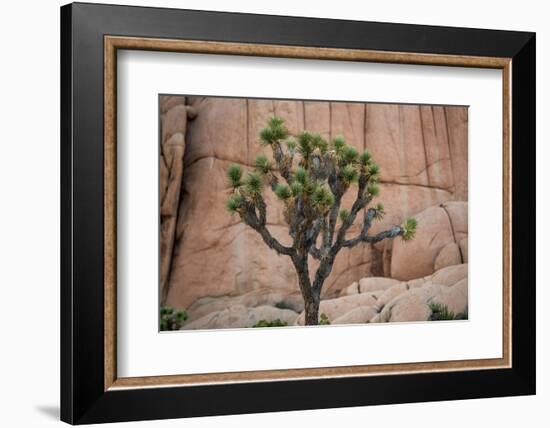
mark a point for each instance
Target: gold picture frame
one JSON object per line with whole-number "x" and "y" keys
{"x": 114, "y": 43}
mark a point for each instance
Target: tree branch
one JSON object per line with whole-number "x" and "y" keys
{"x": 364, "y": 236}
{"x": 390, "y": 233}
{"x": 311, "y": 238}
{"x": 249, "y": 216}
{"x": 367, "y": 221}
{"x": 272, "y": 242}
{"x": 284, "y": 162}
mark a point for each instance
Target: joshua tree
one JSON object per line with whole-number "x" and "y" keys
{"x": 310, "y": 177}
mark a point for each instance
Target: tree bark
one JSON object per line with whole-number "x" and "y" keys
{"x": 312, "y": 311}
{"x": 310, "y": 296}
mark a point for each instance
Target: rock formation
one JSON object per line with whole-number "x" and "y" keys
{"x": 211, "y": 262}
{"x": 174, "y": 116}
{"x": 404, "y": 301}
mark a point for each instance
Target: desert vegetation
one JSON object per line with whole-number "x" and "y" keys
{"x": 310, "y": 177}
{"x": 171, "y": 318}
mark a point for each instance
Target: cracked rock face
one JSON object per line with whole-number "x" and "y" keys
{"x": 441, "y": 234}
{"x": 207, "y": 254}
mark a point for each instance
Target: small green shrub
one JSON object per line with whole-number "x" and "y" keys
{"x": 463, "y": 315}
{"x": 273, "y": 323}
{"x": 323, "y": 320}
{"x": 171, "y": 318}
{"x": 442, "y": 313}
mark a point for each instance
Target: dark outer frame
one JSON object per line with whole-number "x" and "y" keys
{"x": 83, "y": 397}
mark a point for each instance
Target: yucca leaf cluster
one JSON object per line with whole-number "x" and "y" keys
{"x": 311, "y": 162}
{"x": 409, "y": 229}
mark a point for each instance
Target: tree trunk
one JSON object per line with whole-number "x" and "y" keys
{"x": 312, "y": 311}
{"x": 311, "y": 298}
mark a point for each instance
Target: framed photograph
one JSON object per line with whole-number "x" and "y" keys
{"x": 266, "y": 213}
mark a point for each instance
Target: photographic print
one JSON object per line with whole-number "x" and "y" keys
{"x": 280, "y": 213}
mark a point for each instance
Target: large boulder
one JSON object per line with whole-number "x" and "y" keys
{"x": 448, "y": 256}
{"x": 376, "y": 283}
{"x": 450, "y": 275}
{"x": 370, "y": 284}
{"x": 448, "y": 287}
{"x": 260, "y": 297}
{"x": 240, "y": 316}
{"x": 436, "y": 244}
{"x": 454, "y": 297}
{"x": 360, "y": 315}
{"x": 391, "y": 293}
{"x": 411, "y": 306}
{"x": 334, "y": 308}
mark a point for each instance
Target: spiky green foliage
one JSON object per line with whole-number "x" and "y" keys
{"x": 274, "y": 132}
{"x": 300, "y": 175}
{"x": 338, "y": 143}
{"x": 344, "y": 214}
{"x": 310, "y": 186}
{"x": 276, "y": 122}
{"x": 365, "y": 158}
{"x": 253, "y": 183}
{"x": 349, "y": 174}
{"x": 234, "y": 203}
{"x": 409, "y": 229}
{"x": 349, "y": 154}
{"x": 278, "y": 128}
{"x": 297, "y": 188}
{"x": 374, "y": 169}
{"x": 373, "y": 190}
{"x": 323, "y": 320}
{"x": 263, "y": 165}
{"x": 171, "y": 318}
{"x": 319, "y": 143}
{"x": 234, "y": 174}
{"x": 283, "y": 192}
{"x": 266, "y": 136}
{"x": 291, "y": 145}
{"x": 379, "y": 215}
{"x": 274, "y": 323}
{"x": 305, "y": 144}
{"x": 322, "y": 197}
{"x": 443, "y": 313}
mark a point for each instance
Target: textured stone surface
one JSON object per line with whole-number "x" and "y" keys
{"x": 240, "y": 316}
{"x": 411, "y": 306}
{"x": 400, "y": 302}
{"x": 450, "y": 275}
{"x": 431, "y": 249}
{"x": 174, "y": 116}
{"x": 422, "y": 152}
{"x": 448, "y": 287}
{"x": 335, "y": 308}
{"x": 391, "y": 293}
{"x": 360, "y": 315}
{"x": 352, "y": 289}
{"x": 375, "y": 283}
{"x": 261, "y": 297}
{"x": 448, "y": 256}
